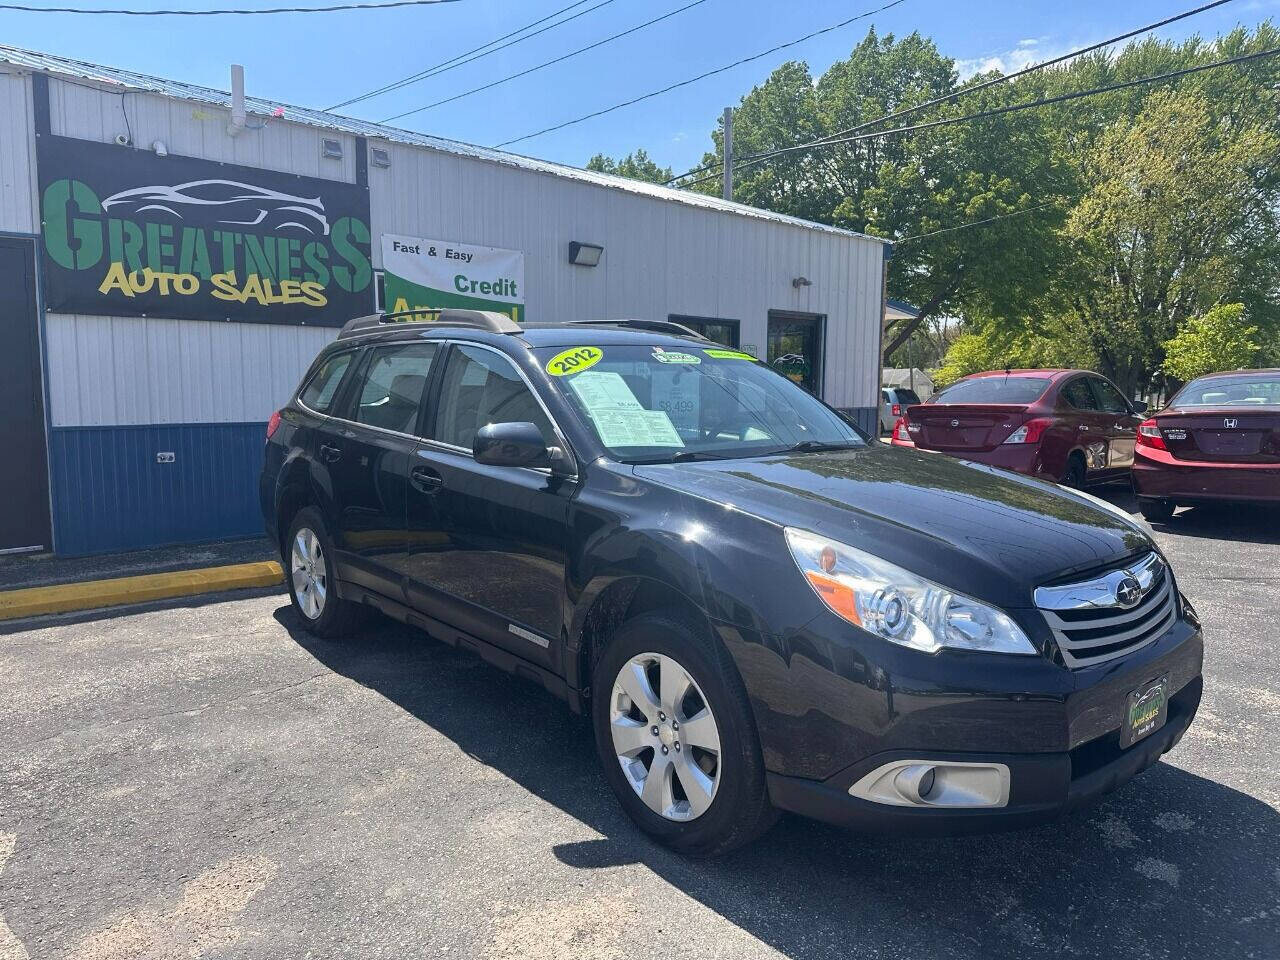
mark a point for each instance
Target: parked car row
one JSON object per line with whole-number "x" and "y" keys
{"x": 1218, "y": 439}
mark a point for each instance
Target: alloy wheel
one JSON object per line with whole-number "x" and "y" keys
{"x": 310, "y": 577}
{"x": 665, "y": 737}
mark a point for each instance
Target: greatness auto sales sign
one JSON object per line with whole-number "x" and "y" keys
{"x": 127, "y": 232}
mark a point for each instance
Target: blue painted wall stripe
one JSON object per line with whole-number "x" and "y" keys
{"x": 109, "y": 493}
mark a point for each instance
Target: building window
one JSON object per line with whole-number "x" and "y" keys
{"x": 795, "y": 347}
{"x": 713, "y": 328}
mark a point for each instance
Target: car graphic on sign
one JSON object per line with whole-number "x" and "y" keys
{"x": 228, "y": 202}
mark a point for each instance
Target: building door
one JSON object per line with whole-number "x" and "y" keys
{"x": 795, "y": 347}
{"x": 24, "y": 467}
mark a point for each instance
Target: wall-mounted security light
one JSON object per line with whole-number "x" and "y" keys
{"x": 585, "y": 254}
{"x": 379, "y": 157}
{"x": 799, "y": 282}
{"x": 331, "y": 148}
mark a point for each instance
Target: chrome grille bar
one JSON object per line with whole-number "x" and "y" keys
{"x": 1091, "y": 625}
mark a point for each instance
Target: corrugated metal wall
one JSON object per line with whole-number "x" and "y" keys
{"x": 660, "y": 257}
{"x": 122, "y": 390}
{"x": 17, "y": 155}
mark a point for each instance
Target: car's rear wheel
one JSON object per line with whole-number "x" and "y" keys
{"x": 676, "y": 737}
{"x": 1157, "y": 511}
{"x": 1074, "y": 475}
{"x": 308, "y": 554}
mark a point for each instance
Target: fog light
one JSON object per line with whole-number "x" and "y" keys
{"x": 936, "y": 783}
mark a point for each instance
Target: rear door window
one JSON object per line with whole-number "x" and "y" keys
{"x": 1078, "y": 394}
{"x": 322, "y": 388}
{"x": 395, "y": 377}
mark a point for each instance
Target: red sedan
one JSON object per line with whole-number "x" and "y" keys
{"x": 1068, "y": 426}
{"x": 1217, "y": 440}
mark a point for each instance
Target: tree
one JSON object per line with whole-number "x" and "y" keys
{"x": 907, "y": 187}
{"x": 996, "y": 348}
{"x": 637, "y": 166}
{"x": 1216, "y": 340}
{"x": 1182, "y": 213}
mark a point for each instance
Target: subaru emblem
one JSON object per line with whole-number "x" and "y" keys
{"x": 1128, "y": 591}
{"x": 1231, "y": 423}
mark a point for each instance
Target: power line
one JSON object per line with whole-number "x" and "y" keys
{"x": 948, "y": 121}
{"x": 976, "y": 223}
{"x": 239, "y": 12}
{"x": 703, "y": 76}
{"x": 548, "y": 63}
{"x": 459, "y": 59}
{"x": 957, "y": 94}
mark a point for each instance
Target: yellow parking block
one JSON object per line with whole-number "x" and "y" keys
{"x": 65, "y": 597}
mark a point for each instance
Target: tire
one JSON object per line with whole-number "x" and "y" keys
{"x": 726, "y": 804}
{"x": 307, "y": 553}
{"x": 1074, "y": 475}
{"x": 1157, "y": 511}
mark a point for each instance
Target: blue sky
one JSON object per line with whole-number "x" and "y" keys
{"x": 316, "y": 60}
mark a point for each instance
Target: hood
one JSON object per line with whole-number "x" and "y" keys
{"x": 985, "y": 532}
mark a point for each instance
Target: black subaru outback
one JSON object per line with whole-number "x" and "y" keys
{"x": 761, "y": 607}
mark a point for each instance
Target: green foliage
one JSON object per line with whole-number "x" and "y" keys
{"x": 996, "y": 348}
{"x": 1118, "y": 218}
{"x": 1216, "y": 340}
{"x": 637, "y": 166}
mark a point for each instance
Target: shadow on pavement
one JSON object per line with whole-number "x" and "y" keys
{"x": 1172, "y": 864}
{"x": 1242, "y": 522}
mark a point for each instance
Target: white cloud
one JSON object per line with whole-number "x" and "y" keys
{"x": 1024, "y": 54}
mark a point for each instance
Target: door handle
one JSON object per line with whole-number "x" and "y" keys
{"x": 329, "y": 453}
{"x": 426, "y": 479}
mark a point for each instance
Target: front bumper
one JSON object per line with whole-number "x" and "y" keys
{"x": 1158, "y": 474}
{"x": 1042, "y": 785}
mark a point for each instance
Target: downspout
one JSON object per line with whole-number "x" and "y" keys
{"x": 239, "y": 118}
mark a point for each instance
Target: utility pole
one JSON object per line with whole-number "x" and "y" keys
{"x": 728, "y": 153}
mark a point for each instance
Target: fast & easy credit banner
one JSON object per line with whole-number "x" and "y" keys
{"x": 423, "y": 274}
{"x": 127, "y": 232}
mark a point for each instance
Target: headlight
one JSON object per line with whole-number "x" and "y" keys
{"x": 896, "y": 604}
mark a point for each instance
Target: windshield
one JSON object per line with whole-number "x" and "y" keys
{"x": 654, "y": 404}
{"x": 993, "y": 390}
{"x": 1254, "y": 390}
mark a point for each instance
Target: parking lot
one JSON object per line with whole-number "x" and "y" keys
{"x": 206, "y": 780}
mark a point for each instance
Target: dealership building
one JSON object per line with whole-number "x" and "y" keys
{"x": 173, "y": 257}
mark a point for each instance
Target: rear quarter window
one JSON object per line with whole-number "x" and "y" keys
{"x": 322, "y": 388}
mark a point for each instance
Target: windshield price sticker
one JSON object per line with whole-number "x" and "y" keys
{"x": 604, "y": 391}
{"x": 729, "y": 355}
{"x": 574, "y": 360}
{"x": 636, "y": 428}
{"x": 671, "y": 356}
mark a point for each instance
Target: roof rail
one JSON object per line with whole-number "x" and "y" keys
{"x": 657, "y": 326}
{"x": 489, "y": 320}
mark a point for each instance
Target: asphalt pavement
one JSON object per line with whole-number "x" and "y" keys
{"x": 203, "y": 779}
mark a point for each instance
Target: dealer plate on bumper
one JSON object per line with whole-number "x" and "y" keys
{"x": 1145, "y": 711}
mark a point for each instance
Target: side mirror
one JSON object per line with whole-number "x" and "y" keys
{"x": 511, "y": 445}
{"x": 1139, "y": 406}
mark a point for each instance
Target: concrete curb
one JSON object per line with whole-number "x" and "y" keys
{"x": 66, "y": 597}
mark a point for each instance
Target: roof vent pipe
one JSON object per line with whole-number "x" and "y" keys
{"x": 238, "y": 115}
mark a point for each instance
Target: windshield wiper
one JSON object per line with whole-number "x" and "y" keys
{"x": 687, "y": 456}
{"x": 817, "y": 446}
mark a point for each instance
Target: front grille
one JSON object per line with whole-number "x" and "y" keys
{"x": 1092, "y": 626}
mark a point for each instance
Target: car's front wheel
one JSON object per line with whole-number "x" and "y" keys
{"x": 308, "y": 557}
{"x": 675, "y": 734}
